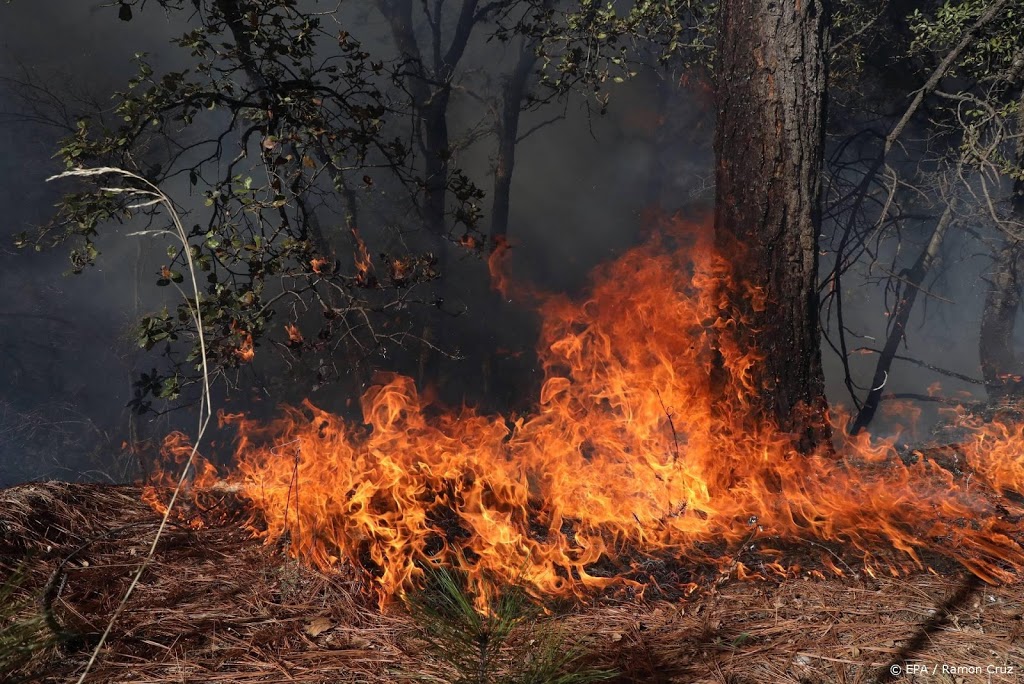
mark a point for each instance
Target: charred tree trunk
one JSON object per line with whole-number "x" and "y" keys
{"x": 911, "y": 280}
{"x": 429, "y": 94}
{"x": 428, "y": 77}
{"x": 437, "y": 156}
{"x": 1000, "y": 368}
{"x": 769, "y": 141}
{"x": 512, "y": 96}
{"x": 430, "y": 90}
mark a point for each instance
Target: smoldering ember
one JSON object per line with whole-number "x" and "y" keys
{"x": 518, "y": 341}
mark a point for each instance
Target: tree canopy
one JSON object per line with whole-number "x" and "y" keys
{"x": 321, "y": 156}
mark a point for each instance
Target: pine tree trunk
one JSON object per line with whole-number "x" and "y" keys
{"x": 507, "y": 128}
{"x": 999, "y": 365}
{"x": 1000, "y": 368}
{"x": 769, "y": 141}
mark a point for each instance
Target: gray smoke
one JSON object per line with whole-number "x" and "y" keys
{"x": 581, "y": 185}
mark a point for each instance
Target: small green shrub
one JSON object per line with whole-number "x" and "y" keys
{"x": 480, "y": 647}
{"x": 23, "y": 630}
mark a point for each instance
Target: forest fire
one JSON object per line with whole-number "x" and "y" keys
{"x": 627, "y": 456}
{"x": 364, "y": 265}
{"x": 246, "y": 350}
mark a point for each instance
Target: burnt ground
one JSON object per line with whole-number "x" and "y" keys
{"x": 215, "y": 605}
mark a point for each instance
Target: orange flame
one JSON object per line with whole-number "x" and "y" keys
{"x": 177, "y": 450}
{"x": 245, "y": 351}
{"x": 496, "y": 265}
{"x": 628, "y": 455}
{"x": 294, "y": 334}
{"x": 364, "y": 265}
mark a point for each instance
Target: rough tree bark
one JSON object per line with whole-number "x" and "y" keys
{"x": 769, "y": 141}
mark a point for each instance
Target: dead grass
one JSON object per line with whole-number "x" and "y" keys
{"x": 215, "y": 606}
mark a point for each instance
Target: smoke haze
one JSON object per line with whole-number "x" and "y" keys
{"x": 580, "y": 188}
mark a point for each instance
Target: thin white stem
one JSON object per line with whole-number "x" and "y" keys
{"x": 205, "y": 408}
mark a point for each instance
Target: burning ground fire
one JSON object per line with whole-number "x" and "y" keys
{"x": 626, "y": 458}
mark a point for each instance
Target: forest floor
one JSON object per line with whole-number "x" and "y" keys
{"x": 215, "y": 605}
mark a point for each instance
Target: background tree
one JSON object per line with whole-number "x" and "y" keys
{"x": 310, "y": 151}
{"x": 983, "y": 102}
{"x": 902, "y": 171}
{"x": 341, "y": 176}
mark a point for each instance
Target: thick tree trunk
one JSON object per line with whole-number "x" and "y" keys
{"x": 769, "y": 142}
